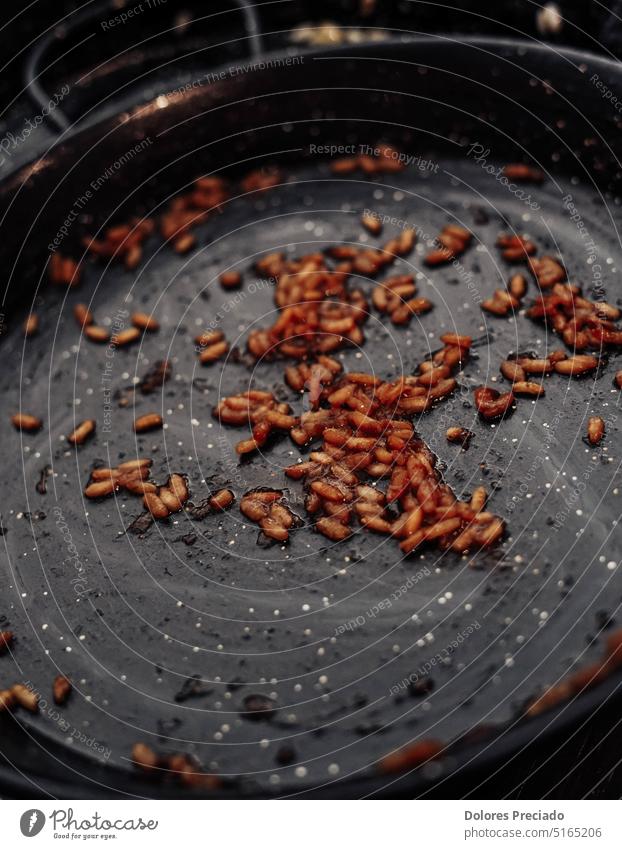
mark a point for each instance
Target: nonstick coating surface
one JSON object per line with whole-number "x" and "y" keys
{"x": 330, "y": 632}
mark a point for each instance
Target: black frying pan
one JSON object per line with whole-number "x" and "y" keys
{"x": 490, "y": 632}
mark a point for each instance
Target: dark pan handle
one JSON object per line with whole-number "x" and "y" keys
{"x": 35, "y": 64}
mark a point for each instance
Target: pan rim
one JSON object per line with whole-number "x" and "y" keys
{"x": 456, "y": 41}
{"x": 467, "y": 756}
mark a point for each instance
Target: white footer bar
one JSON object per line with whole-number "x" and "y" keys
{"x": 312, "y": 824}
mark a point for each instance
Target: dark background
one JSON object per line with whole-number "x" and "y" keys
{"x": 119, "y": 57}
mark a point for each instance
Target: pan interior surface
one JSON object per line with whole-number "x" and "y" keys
{"x": 356, "y": 649}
